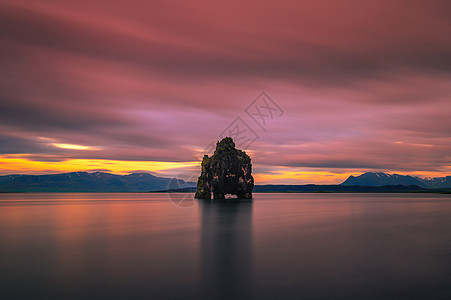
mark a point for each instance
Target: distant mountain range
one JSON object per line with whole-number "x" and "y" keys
{"x": 382, "y": 179}
{"x": 143, "y": 182}
{"x": 89, "y": 182}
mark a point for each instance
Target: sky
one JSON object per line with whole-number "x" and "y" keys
{"x": 147, "y": 86}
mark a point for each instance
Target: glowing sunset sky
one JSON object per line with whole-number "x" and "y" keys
{"x": 135, "y": 85}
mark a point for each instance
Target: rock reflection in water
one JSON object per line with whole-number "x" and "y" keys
{"x": 226, "y": 248}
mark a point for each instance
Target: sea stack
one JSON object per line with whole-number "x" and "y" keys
{"x": 227, "y": 171}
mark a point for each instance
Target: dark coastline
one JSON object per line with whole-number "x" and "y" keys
{"x": 312, "y": 188}
{"x": 269, "y": 190}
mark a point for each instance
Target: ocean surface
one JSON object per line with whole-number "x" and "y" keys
{"x": 278, "y": 246}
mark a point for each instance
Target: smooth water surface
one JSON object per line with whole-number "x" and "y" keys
{"x": 278, "y": 246}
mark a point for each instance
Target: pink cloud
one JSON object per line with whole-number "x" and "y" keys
{"x": 364, "y": 85}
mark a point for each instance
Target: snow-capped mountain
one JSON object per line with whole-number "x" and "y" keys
{"x": 381, "y": 179}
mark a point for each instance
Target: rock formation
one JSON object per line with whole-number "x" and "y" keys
{"x": 227, "y": 171}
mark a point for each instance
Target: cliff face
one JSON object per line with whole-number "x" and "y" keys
{"x": 227, "y": 171}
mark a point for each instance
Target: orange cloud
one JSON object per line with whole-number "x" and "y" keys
{"x": 73, "y": 146}
{"x": 283, "y": 176}
{"x": 10, "y": 164}
{"x": 303, "y": 177}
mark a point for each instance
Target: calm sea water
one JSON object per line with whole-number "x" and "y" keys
{"x": 278, "y": 246}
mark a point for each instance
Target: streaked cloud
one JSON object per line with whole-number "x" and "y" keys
{"x": 73, "y": 146}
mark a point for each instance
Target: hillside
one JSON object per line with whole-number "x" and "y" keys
{"x": 88, "y": 182}
{"x": 381, "y": 179}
